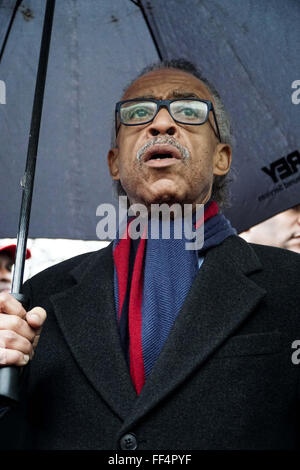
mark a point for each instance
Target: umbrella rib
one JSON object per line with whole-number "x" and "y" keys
{"x": 18, "y": 3}
{"x": 139, "y": 4}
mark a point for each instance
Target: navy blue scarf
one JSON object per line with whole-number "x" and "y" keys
{"x": 151, "y": 281}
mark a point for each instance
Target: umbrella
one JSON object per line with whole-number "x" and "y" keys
{"x": 10, "y": 376}
{"x": 89, "y": 65}
{"x": 249, "y": 50}
{"x": 97, "y": 47}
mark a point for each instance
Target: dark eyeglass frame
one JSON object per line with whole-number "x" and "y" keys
{"x": 166, "y": 104}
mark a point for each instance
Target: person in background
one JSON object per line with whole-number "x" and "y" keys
{"x": 281, "y": 230}
{"x": 7, "y": 259}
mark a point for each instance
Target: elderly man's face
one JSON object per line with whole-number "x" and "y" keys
{"x": 183, "y": 180}
{"x": 5, "y": 272}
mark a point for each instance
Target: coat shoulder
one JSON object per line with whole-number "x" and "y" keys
{"x": 62, "y": 275}
{"x": 280, "y": 273}
{"x": 277, "y": 258}
{"x": 276, "y": 267}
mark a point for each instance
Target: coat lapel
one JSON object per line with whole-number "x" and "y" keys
{"x": 87, "y": 318}
{"x": 220, "y": 300}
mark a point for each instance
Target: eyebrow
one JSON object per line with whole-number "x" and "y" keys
{"x": 183, "y": 94}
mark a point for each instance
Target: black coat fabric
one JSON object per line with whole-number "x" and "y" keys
{"x": 224, "y": 380}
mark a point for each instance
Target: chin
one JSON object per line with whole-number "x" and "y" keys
{"x": 166, "y": 197}
{"x": 169, "y": 198}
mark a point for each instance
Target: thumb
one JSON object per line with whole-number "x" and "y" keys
{"x": 36, "y": 318}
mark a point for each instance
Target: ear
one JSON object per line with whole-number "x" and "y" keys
{"x": 222, "y": 159}
{"x": 113, "y": 163}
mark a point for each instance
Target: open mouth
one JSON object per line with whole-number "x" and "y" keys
{"x": 161, "y": 155}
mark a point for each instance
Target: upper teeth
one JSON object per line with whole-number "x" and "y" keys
{"x": 163, "y": 155}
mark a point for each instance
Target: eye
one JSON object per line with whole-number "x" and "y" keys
{"x": 187, "y": 112}
{"x": 9, "y": 266}
{"x": 137, "y": 112}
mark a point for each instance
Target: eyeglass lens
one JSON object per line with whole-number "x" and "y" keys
{"x": 185, "y": 111}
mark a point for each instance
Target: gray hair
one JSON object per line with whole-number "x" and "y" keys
{"x": 220, "y": 187}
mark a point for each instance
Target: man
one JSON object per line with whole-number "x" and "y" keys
{"x": 211, "y": 366}
{"x": 7, "y": 259}
{"x": 281, "y": 230}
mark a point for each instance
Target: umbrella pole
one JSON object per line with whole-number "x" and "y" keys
{"x": 10, "y": 376}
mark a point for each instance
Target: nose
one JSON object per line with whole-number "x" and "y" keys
{"x": 163, "y": 123}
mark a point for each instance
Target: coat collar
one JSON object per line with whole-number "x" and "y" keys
{"x": 220, "y": 299}
{"x": 87, "y": 318}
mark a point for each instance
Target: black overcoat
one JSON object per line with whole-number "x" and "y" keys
{"x": 225, "y": 378}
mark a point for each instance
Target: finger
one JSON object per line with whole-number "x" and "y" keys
{"x": 11, "y": 306}
{"x": 10, "y": 357}
{"x": 36, "y": 318}
{"x": 11, "y": 340}
{"x": 14, "y": 323}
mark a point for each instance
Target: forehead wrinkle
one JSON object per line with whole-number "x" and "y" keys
{"x": 145, "y": 96}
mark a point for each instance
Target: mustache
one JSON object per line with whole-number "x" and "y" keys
{"x": 185, "y": 153}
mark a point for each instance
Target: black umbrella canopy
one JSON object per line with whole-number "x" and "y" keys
{"x": 250, "y": 51}
{"x": 96, "y": 49}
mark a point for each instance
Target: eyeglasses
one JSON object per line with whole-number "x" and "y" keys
{"x": 140, "y": 111}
